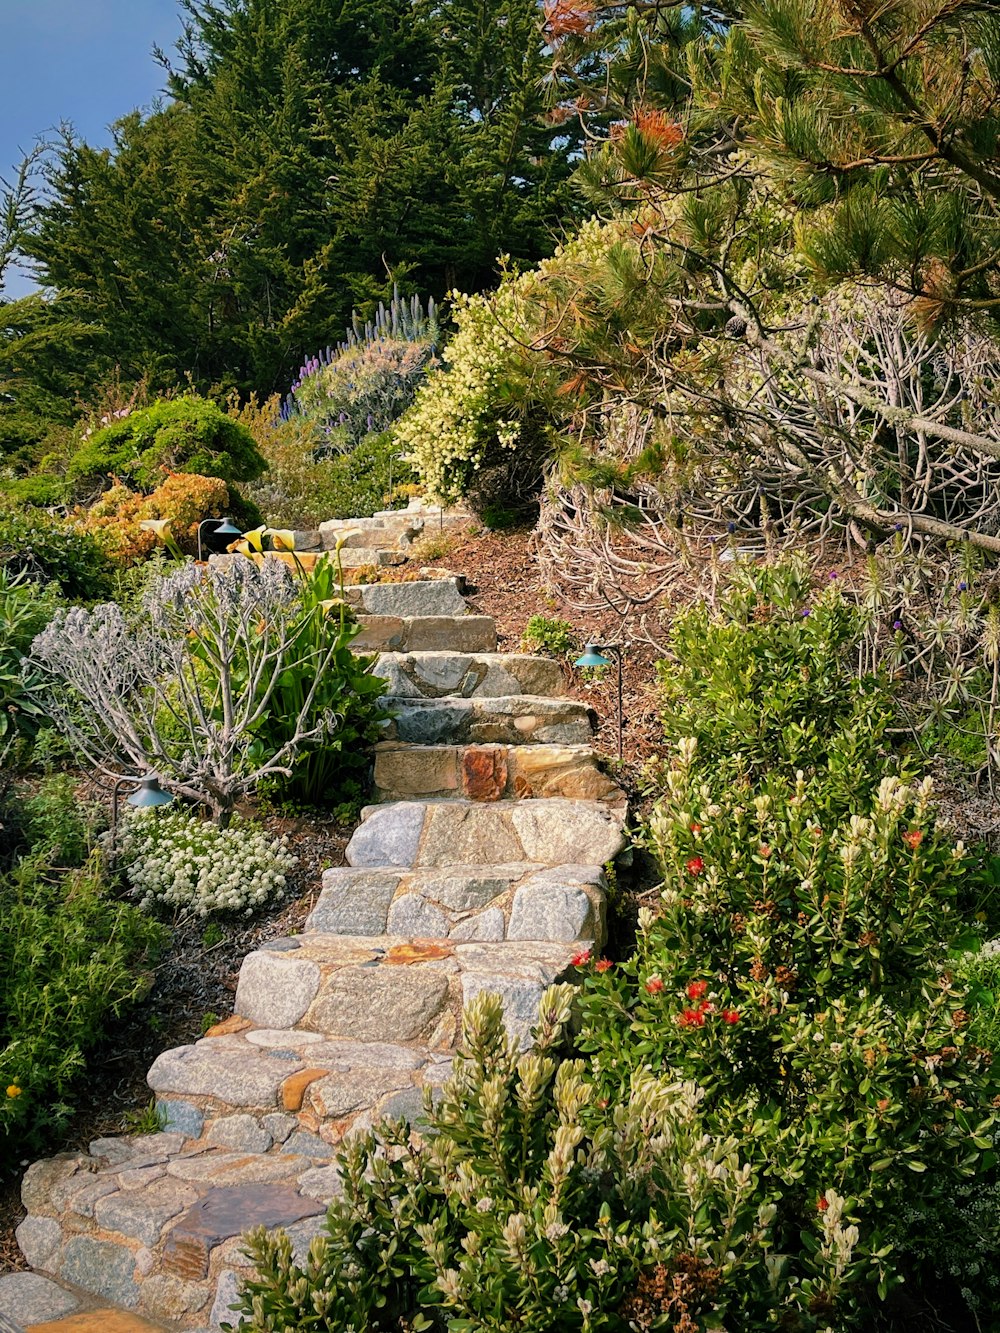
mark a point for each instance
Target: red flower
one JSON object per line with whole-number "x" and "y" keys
{"x": 696, "y": 989}
{"x": 821, "y": 1204}
{"x": 695, "y": 865}
{"x": 581, "y": 959}
{"x": 913, "y": 839}
{"x": 654, "y": 985}
{"x": 692, "y": 1018}
{"x": 764, "y": 851}
{"x": 706, "y": 1007}
{"x": 605, "y": 965}
{"x": 694, "y": 826}
{"x": 730, "y": 1016}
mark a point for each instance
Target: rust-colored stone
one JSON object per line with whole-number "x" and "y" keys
{"x": 484, "y": 773}
{"x": 96, "y": 1321}
{"x": 405, "y": 954}
{"x": 228, "y": 1026}
{"x": 223, "y": 1213}
{"x": 294, "y": 1087}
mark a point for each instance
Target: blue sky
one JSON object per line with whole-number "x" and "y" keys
{"x": 83, "y": 61}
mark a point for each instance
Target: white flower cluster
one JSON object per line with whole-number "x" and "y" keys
{"x": 175, "y": 858}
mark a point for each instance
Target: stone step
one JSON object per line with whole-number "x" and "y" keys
{"x": 368, "y": 557}
{"x": 516, "y": 719}
{"x": 379, "y": 535}
{"x": 402, "y": 634}
{"x": 490, "y": 772}
{"x": 433, "y": 675}
{"x": 419, "y": 597}
{"x": 525, "y": 901}
{"x": 424, "y": 834}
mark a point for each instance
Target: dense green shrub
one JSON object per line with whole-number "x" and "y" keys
{"x": 526, "y": 1205}
{"x": 25, "y": 609}
{"x": 187, "y": 434}
{"x": 71, "y": 960}
{"x": 177, "y": 860}
{"x": 770, "y": 682}
{"x": 50, "y": 550}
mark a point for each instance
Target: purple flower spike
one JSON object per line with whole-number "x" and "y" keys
{"x": 833, "y": 574}
{"x": 897, "y": 624}
{"x": 962, "y": 587}
{"x": 806, "y": 611}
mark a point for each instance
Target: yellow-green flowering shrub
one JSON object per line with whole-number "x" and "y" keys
{"x": 496, "y": 395}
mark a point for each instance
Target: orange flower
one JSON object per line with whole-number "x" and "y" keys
{"x": 730, "y": 1016}
{"x": 654, "y": 985}
{"x": 568, "y": 18}
{"x": 764, "y": 851}
{"x": 581, "y": 959}
{"x": 913, "y": 839}
{"x": 695, "y": 865}
{"x": 13, "y": 1091}
{"x": 658, "y": 126}
{"x": 605, "y": 965}
{"x": 821, "y": 1204}
{"x": 696, "y": 989}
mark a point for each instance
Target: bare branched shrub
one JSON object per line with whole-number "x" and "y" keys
{"x": 185, "y": 687}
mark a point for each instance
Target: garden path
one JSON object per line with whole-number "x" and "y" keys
{"x": 480, "y": 868}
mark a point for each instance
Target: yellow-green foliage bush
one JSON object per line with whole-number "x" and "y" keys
{"x": 495, "y": 396}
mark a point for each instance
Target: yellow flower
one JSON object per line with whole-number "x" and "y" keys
{"x": 282, "y": 539}
{"x": 255, "y": 537}
{"x": 161, "y": 526}
{"x": 13, "y": 1090}
{"x": 331, "y": 604}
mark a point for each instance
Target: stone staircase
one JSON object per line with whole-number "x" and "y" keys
{"x": 384, "y": 539}
{"x": 480, "y": 867}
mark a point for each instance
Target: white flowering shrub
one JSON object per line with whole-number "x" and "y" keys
{"x": 175, "y": 859}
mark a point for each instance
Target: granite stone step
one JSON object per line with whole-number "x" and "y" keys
{"x": 370, "y": 557}
{"x": 514, "y": 719}
{"x": 490, "y": 772}
{"x": 424, "y": 834}
{"x": 466, "y": 903}
{"x": 434, "y": 675}
{"x": 418, "y": 597}
{"x": 411, "y": 634}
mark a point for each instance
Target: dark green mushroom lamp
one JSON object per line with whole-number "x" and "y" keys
{"x": 147, "y": 795}
{"x": 225, "y": 527}
{"x": 594, "y": 656}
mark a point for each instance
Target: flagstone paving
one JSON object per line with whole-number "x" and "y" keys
{"x": 480, "y": 869}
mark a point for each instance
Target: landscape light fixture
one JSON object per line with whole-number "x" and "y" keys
{"x": 225, "y": 527}
{"x": 594, "y": 656}
{"x": 147, "y": 795}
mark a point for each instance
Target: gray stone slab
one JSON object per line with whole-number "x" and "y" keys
{"x": 354, "y": 902}
{"x": 559, "y": 831}
{"x": 486, "y": 926}
{"x": 390, "y": 836}
{"x": 102, "y": 1267}
{"x": 413, "y": 917}
{"x": 433, "y": 597}
{"x": 142, "y": 1215}
{"x": 184, "y": 1117}
{"x": 548, "y": 911}
{"x": 234, "y": 1072}
{"x": 226, "y": 1293}
{"x": 340, "y": 1095}
{"x": 274, "y": 991}
{"x": 30, "y": 1299}
{"x": 240, "y": 1132}
{"x": 381, "y": 1004}
{"x": 39, "y": 1239}
{"x": 306, "y": 1144}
